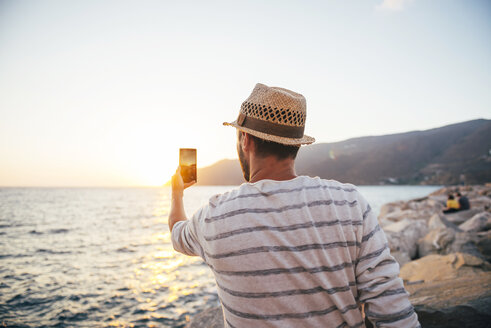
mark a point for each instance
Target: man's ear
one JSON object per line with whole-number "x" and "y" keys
{"x": 246, "y": 141}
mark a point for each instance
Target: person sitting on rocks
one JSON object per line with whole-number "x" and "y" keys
{"x": 452, "y": 205}
{"x": 463, "y": 202}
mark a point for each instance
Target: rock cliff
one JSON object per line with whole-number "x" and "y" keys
{"x": 447, "y": 155}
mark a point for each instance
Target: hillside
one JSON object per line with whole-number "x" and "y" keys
{"x": 443, "y": 155}
{"x": 224, "y": 172}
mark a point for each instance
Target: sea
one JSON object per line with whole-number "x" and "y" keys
{"x": 102, "y": 257}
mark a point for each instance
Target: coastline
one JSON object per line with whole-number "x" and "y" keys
{"x": 444, "y": 259}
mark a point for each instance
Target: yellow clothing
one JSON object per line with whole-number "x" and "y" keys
{"x": 453, "y": 203}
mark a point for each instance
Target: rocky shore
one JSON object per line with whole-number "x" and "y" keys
{"x": 444, "y": 258}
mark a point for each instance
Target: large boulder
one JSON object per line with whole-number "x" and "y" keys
{"x": 443, "y": 267}
{"x": 479, "y": 222}
{"x": 404, "y": 235}
{"x": 438, "y": 221}
{"x": 413, "y": 214}
{"x": 446, "y": 241}
{"x": 383, "y": 222}
{"x": 437, "y": 241}
{"x": 482, "y": 203}
{"x": 390, "y": 207}
{"x": 400, "y": 215}
{"x": 483, "y": 244}
{"x": 462, "y": 216}
{"x": 401, "y": 257}
{"x": 416, "y": 209}
{"x": 426, "y": 205}
{"x": 486, "y": 191}
{"x": 454, "y": 303}
{"x": 209, "y": 318}
{"x": 449, "y": 291}
{"x": 436, "y": 203}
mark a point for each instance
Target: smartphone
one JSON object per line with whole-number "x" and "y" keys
{"x": 187, "y": 162}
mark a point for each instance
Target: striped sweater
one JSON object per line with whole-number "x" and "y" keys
{"x": 306, "y": 252}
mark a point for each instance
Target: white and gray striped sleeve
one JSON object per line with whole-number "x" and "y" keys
{"x": 184, "y": 236}
{"x": 379, "y": 287}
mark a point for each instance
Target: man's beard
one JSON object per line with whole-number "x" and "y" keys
{"x": 244, "y": 165}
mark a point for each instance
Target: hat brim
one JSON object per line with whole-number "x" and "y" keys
{"x": 305, "y": 140}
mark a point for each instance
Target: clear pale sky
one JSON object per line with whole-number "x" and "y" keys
{"x": 103, "y": 93}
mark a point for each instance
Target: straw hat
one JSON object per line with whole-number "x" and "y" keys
{"x": 274, "y": 114}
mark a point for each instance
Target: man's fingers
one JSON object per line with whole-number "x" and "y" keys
{"x": 189, "y": 184}
{"x": 177, "y": 181}
{"x": 176, "y": 178}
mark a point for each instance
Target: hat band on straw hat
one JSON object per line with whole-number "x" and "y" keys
{"x": 269, "y": 127}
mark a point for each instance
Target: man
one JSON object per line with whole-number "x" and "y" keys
{"x": 464, "y": 203}
{"x": 288, "y": 250}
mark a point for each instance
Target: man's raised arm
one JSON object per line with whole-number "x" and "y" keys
{"x": 177, "y": 212}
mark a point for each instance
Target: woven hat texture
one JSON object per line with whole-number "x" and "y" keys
{"x": 274, "y": 114}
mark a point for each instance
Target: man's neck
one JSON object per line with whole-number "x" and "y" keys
{"x": 272, "y": 168}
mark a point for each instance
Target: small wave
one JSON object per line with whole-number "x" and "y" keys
{"x": 125, "y": 250}
{"x": 70, "y": 316}
{"x": 82, "y": 296}
{"x": 15, "y": 298}
{"x": 4, "y": 256}
{"x": 139, "y": 311}
{"x": 21, "y": 300}
{"x": 11, "y": 225}
{"x": 35, "y": 232}
{"x": 58, "y": 231}
{"x": 74, "y": 298}
{"x": 13, "y": 277}
{"x": 48, "y": 251}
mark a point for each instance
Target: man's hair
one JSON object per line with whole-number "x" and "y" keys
{"x": 450, "y": 196}
{"x": 266, "y": 148}
{"x": 459, "y": 194}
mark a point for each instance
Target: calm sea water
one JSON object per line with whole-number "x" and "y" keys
{"x": 94, "y": 257}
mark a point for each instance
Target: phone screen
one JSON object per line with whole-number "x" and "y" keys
{"x": 187, "y": 162}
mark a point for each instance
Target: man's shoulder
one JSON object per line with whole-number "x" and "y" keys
{"x": 300, "y": 182}
{"x": 341, "y": 185}
{"x": 331, "y": 184}
{"x": 227, "y": 196}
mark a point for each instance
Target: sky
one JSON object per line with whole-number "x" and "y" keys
{"x": 104, "y": 93}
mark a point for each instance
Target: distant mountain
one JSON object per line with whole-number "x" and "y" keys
{"x": 222, "y": 173}
{"x": 448, "y": 155}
